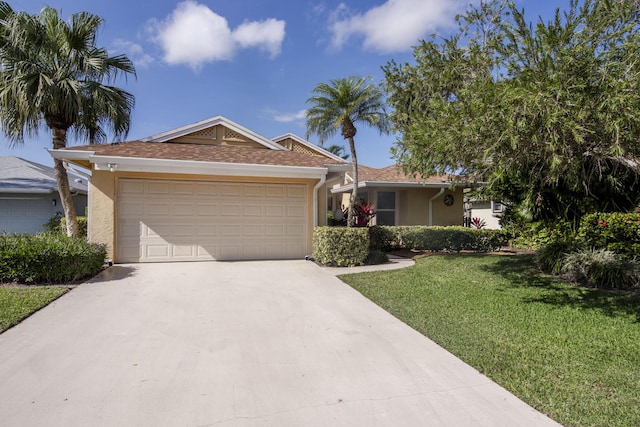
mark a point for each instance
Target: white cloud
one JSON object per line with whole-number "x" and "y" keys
{"x": 134, "y": 52}
{"x": 395, "y": 25}
{"x": 267, "y": 35}
{"x": 286, "y": 117}
{"x": 194, "y": 35}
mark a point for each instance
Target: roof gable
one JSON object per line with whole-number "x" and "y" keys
{"x": 293, "y": 142}
{"x": 217, "y": 130}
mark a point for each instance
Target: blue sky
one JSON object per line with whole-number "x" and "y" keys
{"x": 254, "y": 62}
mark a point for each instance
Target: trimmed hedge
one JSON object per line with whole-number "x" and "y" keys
{"x": 436, "y": 238}
{"x": 351, "y": 246}
{"x": 48, "y": 258}
{"x": 617, "y": 232}
{"x": 341, "y": 246}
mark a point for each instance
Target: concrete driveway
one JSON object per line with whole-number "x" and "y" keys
{"x": 279, "y": 343}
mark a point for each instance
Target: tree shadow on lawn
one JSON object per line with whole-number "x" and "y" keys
{"x": 520, "y": 271}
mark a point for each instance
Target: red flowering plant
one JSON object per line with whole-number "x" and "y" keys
{"x": 363, "y": 213}
{"x": 478, "y": 223}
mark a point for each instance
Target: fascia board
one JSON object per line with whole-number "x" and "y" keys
{"x": 128, "y": 164}
{"x": 70, "y": 154}
{"x": 387, "y": 184}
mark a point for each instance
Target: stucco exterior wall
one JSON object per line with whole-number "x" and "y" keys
{"x": 103, "y": 212}
{"x": 483, "y": 211}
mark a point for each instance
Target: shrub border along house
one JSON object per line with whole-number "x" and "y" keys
{"x": 48, "y": 258}
{"x": 348, "y": 247}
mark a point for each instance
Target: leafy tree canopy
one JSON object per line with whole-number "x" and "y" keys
{"x": 546, "y": 115}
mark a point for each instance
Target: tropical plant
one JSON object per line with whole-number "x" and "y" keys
{"x": 478, "y": 223}
{"x": 52, "y": 73}
{"x": 340, "y": 105}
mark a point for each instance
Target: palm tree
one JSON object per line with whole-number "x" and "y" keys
{"x": 51, "y": 73}
{"x": 341, "y": 104}
{"x": 338, "y": 150}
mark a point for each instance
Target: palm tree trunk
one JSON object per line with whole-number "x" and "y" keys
{"x": 60, "y": 141}
{"x": 351, "y": 218}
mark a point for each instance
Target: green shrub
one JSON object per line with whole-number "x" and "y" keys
{"x": 341, "y": 246}
{"x": 436, "y": 238}
{"x": 550, "y": 258}
{"x": 53, "y": 225}
{"x": 375, "y": 257}
{"x": 82, "y": 224}
{"x": 48, "y": 258}
{"x": 535, "y": 235}
{"x": 600, "y": 268}
{"x": 617, "y": 232}
{"x": 382, "y": 238}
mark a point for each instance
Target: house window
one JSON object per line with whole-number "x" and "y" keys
{"x": 497, "y": 207}
{"x": 386, "y": 209}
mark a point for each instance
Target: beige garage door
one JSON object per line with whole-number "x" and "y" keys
{"x": 160, "y": 220}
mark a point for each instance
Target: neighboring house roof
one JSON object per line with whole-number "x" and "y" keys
{"x": 391, "y": 176}
{"x": 295, "y": 143}
{"x": 18, "y": 175}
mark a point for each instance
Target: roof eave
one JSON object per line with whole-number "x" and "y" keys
{"x": 192, "y": 167}
{"x": 388, "y": 184}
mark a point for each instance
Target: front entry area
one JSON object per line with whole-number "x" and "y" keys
{"x": 172, "y": 220}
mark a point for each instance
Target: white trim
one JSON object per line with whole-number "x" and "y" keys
{"x": 399, "y": 184}
{"x": 130, "y": 164}
{"x": 208, "y": 123}
{"x": 309, "y": 145}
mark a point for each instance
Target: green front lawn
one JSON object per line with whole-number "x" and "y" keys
{"x": 572, "y": 353}
{"x": 17, "y": 303}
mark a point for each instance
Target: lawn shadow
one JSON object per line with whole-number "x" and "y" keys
{"x": 520, "y": 271}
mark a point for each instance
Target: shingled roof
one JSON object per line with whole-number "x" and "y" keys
{"x": 394, "y": 173}
{"x": 18, "y": 175}
{"x": 206, "y": 153}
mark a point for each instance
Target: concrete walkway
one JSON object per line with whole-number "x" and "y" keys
{"x": 281, "y": 343}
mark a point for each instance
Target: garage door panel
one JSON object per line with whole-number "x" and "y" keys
{"x": 207, "y": 230}
{"x": 158, "y": 188}
{"x": 254, "y": 190}
{"x": 184, "y": 188}
{"x": 295, "y": 211}
{"x": 183, "y": 209}
{"x": 252, "y": 210}
{"x": 162, "y": 220}
{"x": 275, "y": 191}
{"x": 231, "y": 190}
{"x": 161, "y": 209}
{"x": 206, "y": 209}
{"x": 230, "y": 210}
{"x": 274, "y": 211}
{"x": 295, "y": 230}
